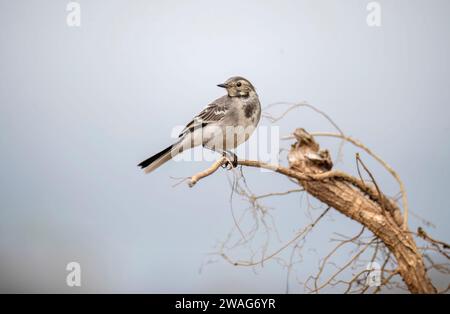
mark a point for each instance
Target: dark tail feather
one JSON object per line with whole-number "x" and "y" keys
{"x": 154, "y": 158}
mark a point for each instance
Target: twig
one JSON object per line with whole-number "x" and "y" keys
{"x": 333, "y": 174}
{"x": 207, "y": 172}
{"x": 359, "y": 161}
{"x": 436, "y": 243}
{"x": 377, "y": 158}
{"x": 303, "y": 232}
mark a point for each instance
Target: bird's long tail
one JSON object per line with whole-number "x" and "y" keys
{"x": 160, "y": 158}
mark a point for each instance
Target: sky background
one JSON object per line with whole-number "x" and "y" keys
{"x": 81, "y": 106}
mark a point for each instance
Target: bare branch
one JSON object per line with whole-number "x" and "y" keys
{"x": 363, "y": 201}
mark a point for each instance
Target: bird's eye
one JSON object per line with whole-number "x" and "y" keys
{"x": 238, "y": 84}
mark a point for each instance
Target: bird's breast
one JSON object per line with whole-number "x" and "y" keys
{"x": 251, "y": 112}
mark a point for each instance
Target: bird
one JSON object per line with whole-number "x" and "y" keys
{"x": 221, "y": 126}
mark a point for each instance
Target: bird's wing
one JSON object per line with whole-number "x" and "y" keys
{"x": 214, "y": 112}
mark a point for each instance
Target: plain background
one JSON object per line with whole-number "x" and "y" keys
{"x": 80, "y": 107}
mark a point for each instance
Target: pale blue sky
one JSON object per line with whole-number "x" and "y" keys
{"x": 80, "y": 107}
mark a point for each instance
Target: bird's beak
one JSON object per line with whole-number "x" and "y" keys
{"x": 223, "y": 85}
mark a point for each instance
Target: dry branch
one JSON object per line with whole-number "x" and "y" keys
{"x": 311, "y": 168}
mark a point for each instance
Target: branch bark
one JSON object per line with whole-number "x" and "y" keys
{"x": 311, "y": 167}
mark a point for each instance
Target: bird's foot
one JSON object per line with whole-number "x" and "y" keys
{"x": 234, "y": 160}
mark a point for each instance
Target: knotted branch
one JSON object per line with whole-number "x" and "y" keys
{"x": 356, "y": 199}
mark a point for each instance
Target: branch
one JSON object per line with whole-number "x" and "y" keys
{"x": 207, "y": 172}
{"x": 377, "y": 158}
{"x": 371, "y": 192}
{"x": 311, "y": 168}
{"x": 285, "y": 171}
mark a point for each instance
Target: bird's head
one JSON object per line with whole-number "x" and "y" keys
{"x": 238, "y": 86}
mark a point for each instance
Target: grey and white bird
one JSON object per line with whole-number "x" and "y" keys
{"x": 222, "y": 125}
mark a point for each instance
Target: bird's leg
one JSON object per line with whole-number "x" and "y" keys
{"x": 234, "y": 159}
{"x": 227, "y": 154}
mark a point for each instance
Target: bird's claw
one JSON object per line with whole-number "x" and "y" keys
{"x": 230, "y": 165}
{"x": 227, "y": 165}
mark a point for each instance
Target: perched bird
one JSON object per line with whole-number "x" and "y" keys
{"x": 223, "y": 125}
